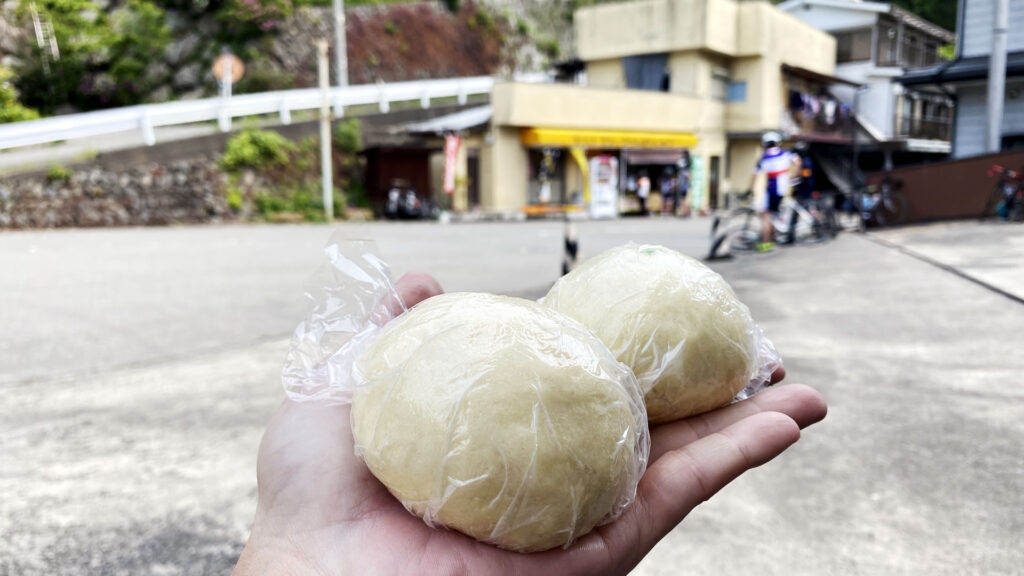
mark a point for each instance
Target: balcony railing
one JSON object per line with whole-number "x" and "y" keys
{"x": 925, "y": 128}
{"x": 836, "y": 125}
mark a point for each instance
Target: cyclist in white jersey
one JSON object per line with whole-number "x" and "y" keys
{"x": 775, "y": 163}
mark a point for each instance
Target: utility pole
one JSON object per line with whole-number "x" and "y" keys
{"x": 340, "y": 45}
{"x": 326, "y": 170}
{"x": 997, "y": 76}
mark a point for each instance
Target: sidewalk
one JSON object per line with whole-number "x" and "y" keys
{"x": 989, "y": 253}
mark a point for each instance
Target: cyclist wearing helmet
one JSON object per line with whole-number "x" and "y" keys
{"x": 775, "y": 163}
{"x": 803, "y": 184}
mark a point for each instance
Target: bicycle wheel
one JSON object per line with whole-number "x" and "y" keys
{"x": 830, "y": 227}
{"x": 994, "y": 200}
{"x": 1017, "y": 210}
{"x": 892, "y": 209}
{"x": 846, "y": 215}
{"x": 747, "y": 232}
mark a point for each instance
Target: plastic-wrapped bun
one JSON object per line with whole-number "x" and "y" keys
{"x": 501, "y": 419}
{"x": 691, "y": 343}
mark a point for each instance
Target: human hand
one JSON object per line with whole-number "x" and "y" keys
{"x": 320, "y": 511}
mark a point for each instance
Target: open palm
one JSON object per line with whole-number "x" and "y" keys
{"x": 320, "y": 511}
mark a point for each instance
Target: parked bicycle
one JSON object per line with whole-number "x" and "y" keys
{"x": 1007, "y": 199}
{"x": 882, "y": 204}
{"x": 797, "y": 222}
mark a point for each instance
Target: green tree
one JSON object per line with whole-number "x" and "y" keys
{"x": 941, "y": 12}
{"x": 139, "y": 36}
{"x": 11, "y": 110}
{"x": 48, "y": 78}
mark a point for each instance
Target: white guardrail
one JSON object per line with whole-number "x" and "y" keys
{"x": 146, "y": 117}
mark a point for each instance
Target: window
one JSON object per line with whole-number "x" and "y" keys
{"x": 931, "y": 53}
{"x": 888, "y": 44}
{"x": 647, "y": 72}
{"x": 720, "y": 84}
{"x": 912, "y": 50}
{"x": 853, "y": 46}
{"x": 737, "y": 92}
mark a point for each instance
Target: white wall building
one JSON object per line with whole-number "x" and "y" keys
{"x": 967, "y": 77}
{"x": 876, "y": 43}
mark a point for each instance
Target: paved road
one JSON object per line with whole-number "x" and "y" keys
{"x": 128, "y": 440}
{"x": 87, "y": 300}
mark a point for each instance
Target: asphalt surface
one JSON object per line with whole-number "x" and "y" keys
{"x": 138, "y": 368}
{"x": 81, "y": 301}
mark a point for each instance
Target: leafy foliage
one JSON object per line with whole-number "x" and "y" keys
{"x": 252, "y": 17}
{"x": 11, "y": 110}
{"x": 80, "y": 32}
{"x": 348, "y": 136}
{"x": 288, "y": 175}
{"x": 140, "y": 35}
{"x": 95, "y": 59}
{"x": 58, "y": 173}
{"x": 941, "y": 12}
{"x": 256, "y": 149}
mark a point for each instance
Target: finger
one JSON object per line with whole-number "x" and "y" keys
{"x": 683, "y": 478}
{"x": 417, "y": 286}
{"x": 803, "y": 404}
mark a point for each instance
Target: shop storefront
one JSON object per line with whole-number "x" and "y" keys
{"x": 596, "y": 170}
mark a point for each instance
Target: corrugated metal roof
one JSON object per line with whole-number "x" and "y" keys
{"x": 974, "y": 68}
{"x": 923, "y": 25}
{"x": 457, "y": 122}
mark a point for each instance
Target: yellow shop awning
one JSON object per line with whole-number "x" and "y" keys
{"x": 569, "y": 138}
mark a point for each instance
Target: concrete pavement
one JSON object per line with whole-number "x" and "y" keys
{"x": 989, "y": 252}
{"x": 79, "y": 301}
{"x": 141, "y": 459}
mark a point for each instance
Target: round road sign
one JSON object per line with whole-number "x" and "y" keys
{"x": 220, "y": 67}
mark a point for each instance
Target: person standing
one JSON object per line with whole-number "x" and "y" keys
{"x": 668, "y": 191}
{"x": 643, "y": 190}
{"x": 683, "y": 185}
{"x": 775, "y": 163}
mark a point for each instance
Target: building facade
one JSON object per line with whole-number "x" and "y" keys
{"x": 669, "y": 84}
{"x": 876, "y": 43}
{"x": 677, "y": 91}
{"x": 967, "y": 77}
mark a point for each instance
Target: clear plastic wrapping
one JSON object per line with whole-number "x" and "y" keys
{"x": 691, "y": 343}
{"x": 494, "y": 416}
{"x": 350, "y": 297}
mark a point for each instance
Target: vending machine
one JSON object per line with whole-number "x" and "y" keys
{"x": 604, "y": 187}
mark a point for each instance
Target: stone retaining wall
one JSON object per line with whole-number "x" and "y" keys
{"x": 183, "y": 191}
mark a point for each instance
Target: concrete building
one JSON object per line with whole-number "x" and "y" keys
{"x": 876, "y": 43}
{"x": 668, "y": 84}
{"x": 967, "y": 77}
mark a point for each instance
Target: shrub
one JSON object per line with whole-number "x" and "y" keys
{"x": 550, "y": 47}
{"x": 255, "y": 149}
{"x": 253, "y": 17}
{"x": 58, "y": 173}
{"x": 234, "y": 199}
{"x": 303, "y": 202}
{"x": 11, "y": 110}
{"x": 348, "y": 136}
